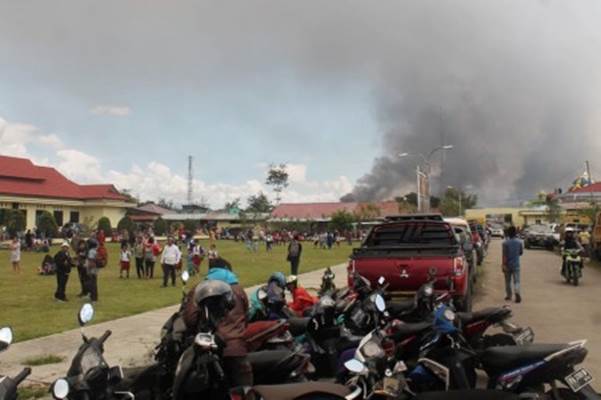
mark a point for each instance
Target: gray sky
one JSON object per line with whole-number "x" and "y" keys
{"x": 124, "y": 90}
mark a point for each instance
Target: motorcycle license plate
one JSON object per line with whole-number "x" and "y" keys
{"x": 578, "y": 379}
{"x": 524, "y": 337}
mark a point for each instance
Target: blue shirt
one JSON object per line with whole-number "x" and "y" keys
{"x": 512, "y": 250}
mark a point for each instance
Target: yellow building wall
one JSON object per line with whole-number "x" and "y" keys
{"x": 91, "y": 215}
{"x": 481, "y": 213}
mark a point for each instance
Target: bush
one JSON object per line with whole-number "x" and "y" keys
{"x": 342, "y": 220}
{"x": 159, "y": 227}
{"x": 191, "y": 226}
{"x": 105, "y": 224}
{"x": 126, "y": 224}
{"x": 15, "y": 221}
{"x": 47, "y": 224}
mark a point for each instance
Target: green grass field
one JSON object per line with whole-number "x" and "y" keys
{"x": 27, "y": 303}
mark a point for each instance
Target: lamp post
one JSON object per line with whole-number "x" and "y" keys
{"x": 424, "y": 204}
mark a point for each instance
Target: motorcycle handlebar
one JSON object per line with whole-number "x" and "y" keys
{"x": 105, "y": 336}
{"x": 21, "y": 376}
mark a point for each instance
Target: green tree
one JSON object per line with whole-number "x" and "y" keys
{"x": 551, "y": 202}
{"x": 233, "y": 206}
{"x": 277, "y": 176}
{"x": 160, "y": 226}
{"x": 15, "y": 221}
{"x": 367, "y": 212}
{"x": 126, "y": 224}
{"x": 454, "y": 202}
{"x": 342, "y": 220}
{"x": 105, "y": 224}
{"x": 191, "y": 225}
{"x": 259, "y": 203}
{"x": 47, "y": 224}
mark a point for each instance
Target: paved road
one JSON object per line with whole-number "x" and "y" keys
{"x": 557, "y": 312}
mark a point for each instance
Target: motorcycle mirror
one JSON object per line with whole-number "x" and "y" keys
{"x": 381, "y": 281}
{"x": 6, "y": 338}
{"x": 60, "y": 389}
{"x": 380, "y": 303}
{"x": 185, "y": 277}
{"x": 86, "y": 314}
{"x": 355, "y": 366}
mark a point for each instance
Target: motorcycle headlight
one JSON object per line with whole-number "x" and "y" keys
{"x": 372, "y": 349}
{"x": 60, "y": 389}
{"x": 428, "y": 290}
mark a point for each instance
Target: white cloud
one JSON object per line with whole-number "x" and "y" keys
{"x": 156, "y": 180}
{"x": 113, "y": 110}
{"x": 79, "y": 166}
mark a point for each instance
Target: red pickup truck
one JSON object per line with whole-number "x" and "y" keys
{"x": 405, "y": 249}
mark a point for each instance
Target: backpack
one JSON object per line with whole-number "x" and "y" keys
{"x": 294, "y": 249}
{"x": 101, "y": 257}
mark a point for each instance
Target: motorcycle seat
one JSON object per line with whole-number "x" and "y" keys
{"x": 399, "y": 307}
{"x": 476, "y": 394}
{"x": 405, "y": 330}
{"x": 502, "y": 358}
{"x": 261, "y": 329}
{"x": 268, "y": 359}
{"x": 293, "y": 391}
{"x": 298, "y": 326}
{"x": 498, "y": 313}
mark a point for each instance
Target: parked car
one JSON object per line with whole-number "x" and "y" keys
{"x": 464, "y": 233}
{"x": 497, "y": 231}
{"x": 539, "y": 236}
{"x": 406, "y": 249}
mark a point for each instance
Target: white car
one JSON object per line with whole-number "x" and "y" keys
{"x": 497, "y": 232}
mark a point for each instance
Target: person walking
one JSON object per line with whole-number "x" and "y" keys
{"x": 92, "y": 270}
{"x": 294, "y": 253}
{"x": 63, "y": 263}
{"x": 15, "y": 254}
{"x": 513, "y": 248}
{"x": 169, "y": 260}
{"x": 139, "y": 256}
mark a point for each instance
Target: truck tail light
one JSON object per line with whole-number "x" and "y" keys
{"x": 458, "y": 266}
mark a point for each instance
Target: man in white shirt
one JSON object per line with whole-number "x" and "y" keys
{"x": 169, "y": 259}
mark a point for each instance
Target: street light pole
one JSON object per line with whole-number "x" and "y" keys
{"x": 420, "y": 202}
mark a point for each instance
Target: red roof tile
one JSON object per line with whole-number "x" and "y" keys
{"x": 594, "y": 188}
{"x": 20, "y": 177}
{"x": 325, "y": 210}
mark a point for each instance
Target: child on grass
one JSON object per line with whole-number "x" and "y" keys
{"x": 124, "y": 260}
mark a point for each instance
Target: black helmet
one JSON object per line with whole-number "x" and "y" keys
{"x": 215, "y": 299}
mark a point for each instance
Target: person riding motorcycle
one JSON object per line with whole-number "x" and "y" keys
{"x": 302, "y": 301}
{"x": 231, "y": 328}
{"x": 570, "y": 243}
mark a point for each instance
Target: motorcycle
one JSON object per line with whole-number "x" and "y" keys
{"x": 89, "y": 376}
{"x": 573, "y": 266}
{"x": 8, "y": 386}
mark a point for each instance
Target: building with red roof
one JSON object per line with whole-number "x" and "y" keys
{"x": 34, "y": 189}
{"x": 322, "y": 212}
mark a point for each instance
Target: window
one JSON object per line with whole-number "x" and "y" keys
{"x": 410, "y": 233}
{"x": 74, "y": 217}
{"x": 58, "y": 217}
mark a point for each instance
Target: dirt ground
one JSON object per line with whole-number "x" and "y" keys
{"x": 557, "y": 312}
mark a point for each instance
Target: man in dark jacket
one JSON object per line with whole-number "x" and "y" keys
{"x": 230, "y": 329}
{"x": 294, "y": 253}
{"x": 63, "y": 263}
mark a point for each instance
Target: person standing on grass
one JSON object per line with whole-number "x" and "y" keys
{"x": 513, "y": 249}
{"x": 139, "y": 256}
{"x": 150, "y": 257}
{"x": 294, "y": 253}
{"x": 63, "y": 263}
{"x": 92, "y": 270}
{"x": 169, "y": 260}
{"x": 15, "y": 254}
{"x": 124, "y": 260}
{"x": 82, "y": 255}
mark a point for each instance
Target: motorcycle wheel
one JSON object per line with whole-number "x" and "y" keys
{"x": 575, "y": 278}
{"x": 499, "y": 339}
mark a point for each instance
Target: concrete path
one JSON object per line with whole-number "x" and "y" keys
{"x": 132, "y": 342}
{"x": 558, "y": 312}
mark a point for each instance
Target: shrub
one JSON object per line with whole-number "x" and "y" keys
{"x": 47, "y": 224}
{"x": 105, "y": 224}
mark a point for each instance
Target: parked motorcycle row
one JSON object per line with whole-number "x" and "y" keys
{"x": 372, "y": 347}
